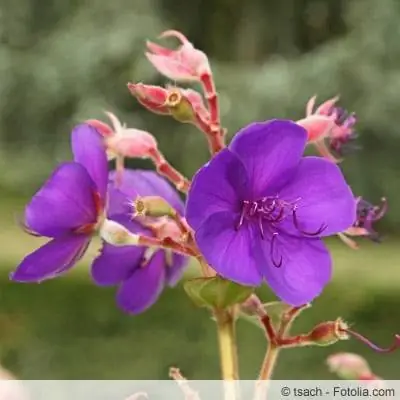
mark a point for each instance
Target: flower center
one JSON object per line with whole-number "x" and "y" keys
{"x": 268, "y": 213}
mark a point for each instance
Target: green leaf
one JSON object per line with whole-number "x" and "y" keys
{"x": 216, "y": 292}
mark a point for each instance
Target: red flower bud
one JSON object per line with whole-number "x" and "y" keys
{"x": 185, "y": 105}
{"x": 154, "y": 98}
{"x": 328, "y": 333}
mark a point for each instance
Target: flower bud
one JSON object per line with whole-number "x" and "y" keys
{"x": 328, "y": 333}
{"x": 180, "y": 106}
{"x": 349, "y": 366}
{"x": 317, "y": 127}
{"x": 186, "y": 63}
{"x": 133, "y": 143}
{"x": 152, "y": 206}
{"x": 152, "y": 97}
{"x": 117, "y": 235}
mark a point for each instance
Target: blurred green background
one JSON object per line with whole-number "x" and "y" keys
{"x": 64, "y": 61}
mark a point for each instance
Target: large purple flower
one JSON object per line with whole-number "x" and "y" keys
{"x": 141, "y": 273}
{"x": 67, "y": 209}
{"x": 259, "y": 210}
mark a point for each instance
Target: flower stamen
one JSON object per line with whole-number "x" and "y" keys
{"x": 273, "y": 240}
{"x": 394, "y": 346}
{"x": 296, "y": 224}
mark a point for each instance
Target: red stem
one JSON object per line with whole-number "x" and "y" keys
{"x": 213, "y": 133}
{"x": 167, "y": 170}
{"x": 166, "y": 243}
{"x": 211, "y": 97}
{"x": 269, "y": 329}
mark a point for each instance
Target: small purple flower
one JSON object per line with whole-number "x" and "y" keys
{"x": 67, "y": 209}
{"x": 367, "y": 214}
{"x": 259, "y": 210}
{"x": 141, "y": 273}
{"x": 342, "y": 137}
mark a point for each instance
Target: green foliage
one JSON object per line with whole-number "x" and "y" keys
{"x": 216, "y": 292}
{"x": 70, "y": 61}
{"x": 70, "y": 329}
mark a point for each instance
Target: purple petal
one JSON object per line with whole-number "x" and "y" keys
{"x": 115, "y": 264}
{"x": 52, "y": 259}
{"x": 141, "y": 183}
{"x": 231, "y": 253}
{"x": 143, "y": 288}
{"x": 304, "y": 272}
{"x": 175, "y": 271}
{"x": 270, "y": 151}
{"x": 65, "y": 202}
{"x": 325, "y": 198}
{"x": 218, "y": 186}
{"x": 88, "y": 148}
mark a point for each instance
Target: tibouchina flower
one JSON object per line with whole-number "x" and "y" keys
{"x": 68, "y": 209}
{"x": 141, "y": 273}
{"x": 259, "y": 210}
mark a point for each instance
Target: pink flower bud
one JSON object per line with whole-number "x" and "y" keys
{"x": 132, "y": 143}
{"x": 349, "y": 366}
{"x": 124, "y": 142}
{"x": 185, "y": 105}
{"x": 186, "y": 63}
{"x": 154, "y": 98}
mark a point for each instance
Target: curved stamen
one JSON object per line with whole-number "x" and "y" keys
{"x": 381, "y": 210}
{"x": 276, "y": 264}
{"x": 296, "y": 224}
{"x": 261, "y": 227}
{"x": 395, "y": 345}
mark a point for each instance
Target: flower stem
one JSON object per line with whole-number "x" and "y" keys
{"x": 269, "y": 362}
{"x": 227, "y": 344}
{"x": 227, "y": 350}
{"x": 168, "y": 171}
{"x": 266, "y": 371}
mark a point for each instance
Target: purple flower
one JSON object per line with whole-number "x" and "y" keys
{"x": 67, "y": 209}
{"x": 259, "y": 210}
{"x": 141, "y": 273}
{"x": 367, "y": 214}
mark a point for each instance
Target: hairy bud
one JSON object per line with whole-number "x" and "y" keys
{"x": 117, "y": 235}
{"x": 328, "y": 333}
{"x": 152, "y": 206}
{"x": 185, "y": 63}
